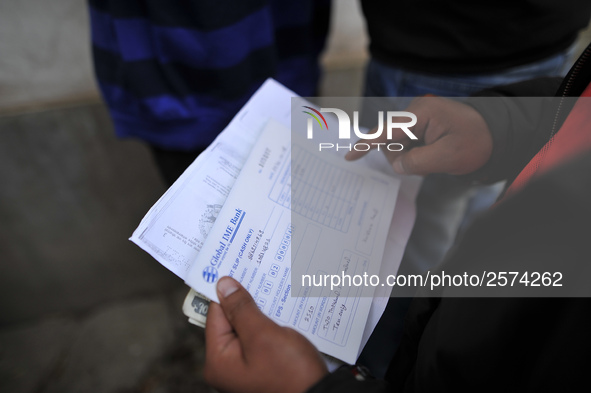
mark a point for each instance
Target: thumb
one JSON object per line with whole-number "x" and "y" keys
{"x": 240, "y": 309}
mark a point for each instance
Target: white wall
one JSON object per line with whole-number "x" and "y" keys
{"x": 44, "y": 52}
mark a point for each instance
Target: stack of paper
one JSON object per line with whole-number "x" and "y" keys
{"x": 231, "y": 213}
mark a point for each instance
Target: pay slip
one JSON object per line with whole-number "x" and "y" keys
{"x": 293, "y": 212}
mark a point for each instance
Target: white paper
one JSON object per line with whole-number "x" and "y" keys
{"x": 175, "y": 228}
{"x": 337, "y": 202}
{"x": 187, "y": 203}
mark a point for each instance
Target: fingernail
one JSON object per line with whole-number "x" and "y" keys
{"x": 226, "y": 287}
{"x": 398, "y": 168}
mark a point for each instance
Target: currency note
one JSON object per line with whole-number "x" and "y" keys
{"x": 195, "y": 307}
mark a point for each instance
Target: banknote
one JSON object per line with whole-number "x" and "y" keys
{"x": 195, "y": 307}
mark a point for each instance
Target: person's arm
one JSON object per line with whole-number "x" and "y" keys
{"x": 247, "y": 352}
{"x": 520, "y": 119}
{"x": 464, "y": 342}
{"x": 452, "y": 138}
{"x": 487, "y": 138}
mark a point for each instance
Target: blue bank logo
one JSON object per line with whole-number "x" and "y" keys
{"x": 210, "y": 274}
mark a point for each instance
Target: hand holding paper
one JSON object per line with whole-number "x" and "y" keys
{"x": 352, "y": 201}
{"x": 454, "y": 139}
{"x": 292, "y": 213}
{"x": 247, "y": 352}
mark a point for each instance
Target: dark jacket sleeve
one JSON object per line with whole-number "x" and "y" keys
{"x": 536, "y": 342}
{"x": 520, "y": 118}
{"x": 343, "y": 381}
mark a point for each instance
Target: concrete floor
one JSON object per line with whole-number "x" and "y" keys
{"x": 82, "y": 309}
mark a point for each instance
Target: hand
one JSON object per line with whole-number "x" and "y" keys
{"x": 455, "y": 139}
{"x": 247, "y": 352}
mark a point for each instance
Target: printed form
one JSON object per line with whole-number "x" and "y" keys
{"x": 341, "y": 215}
{"x": 174, "y": 230}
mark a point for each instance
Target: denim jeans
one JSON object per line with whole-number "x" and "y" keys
{"x": 444, "y": 204}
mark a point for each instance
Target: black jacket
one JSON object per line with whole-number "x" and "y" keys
{"x": 467, "y": 36}
{"x": 508, "y": 344}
